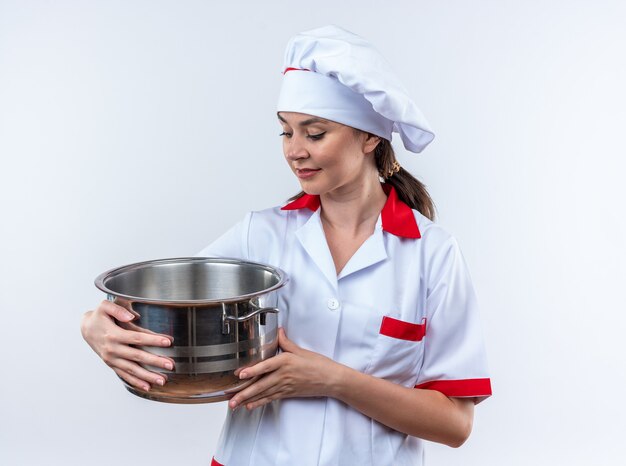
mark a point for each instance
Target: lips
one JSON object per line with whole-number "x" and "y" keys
{"x": 304, "y": 173}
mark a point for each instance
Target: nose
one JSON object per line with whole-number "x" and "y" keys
{"x": 294, "y": 148}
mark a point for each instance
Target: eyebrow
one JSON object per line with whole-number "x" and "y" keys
{"x": 310, "y": 121}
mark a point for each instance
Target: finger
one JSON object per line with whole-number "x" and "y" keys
{"x": 264, "y": 398}
{"x": 249, "y": 392}
{"x": 113, "y": 310}
{"x": 263, "y": 367}
{"x": 130, "y": 337}
{"x": 132, "y": 380}
{"x": 136, "y": 328}
{"x": 139, "y": 372}
{"x": 240, "y": 369}
{"x": 263, "y": 385}
{"x": 286, "y": 344}
{"x": 124, "y": 316}
{"x": 146, "y": 358}
{"x": 114, "y": 344}
{"x": 260, "y": 402}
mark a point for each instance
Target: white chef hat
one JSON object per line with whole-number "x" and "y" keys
{"x": 334, "y": 74}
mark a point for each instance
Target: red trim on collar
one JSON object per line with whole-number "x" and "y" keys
{"x": 306, "y": 200}
{"x": 397, "y": 217}
{"x": 294, "y": 69}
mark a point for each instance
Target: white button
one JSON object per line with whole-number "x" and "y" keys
{"x": 333, "y": 304}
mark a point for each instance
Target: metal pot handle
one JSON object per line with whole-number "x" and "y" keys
{"x": 257, "y": 310}
{"x": 226, "y": 318}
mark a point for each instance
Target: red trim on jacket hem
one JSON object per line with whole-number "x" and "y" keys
{"x": 215, "y": 463}
{"x": 397, "y": 217}
{"x": 402, "y": 330}
{"x": 465, "y": 388}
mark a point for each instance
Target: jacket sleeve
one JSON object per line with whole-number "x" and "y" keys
{"x": 232, "y": 244}
{"x": 455, "y": 361}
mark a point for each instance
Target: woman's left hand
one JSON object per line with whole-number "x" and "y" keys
{"x": 295, "y": 372}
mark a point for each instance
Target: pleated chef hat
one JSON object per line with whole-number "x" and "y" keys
{"x": 334, "y": 74}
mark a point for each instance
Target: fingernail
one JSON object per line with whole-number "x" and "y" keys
{"x": 128, "y": 315}
{"x": 169, "y": 366}
{"x": 161, "y": 382}
{"x": 146, "y": 388}
{"x": 233, "y": 404}
{"x": 243, "y": 375}
{"x": 165, "y": 342}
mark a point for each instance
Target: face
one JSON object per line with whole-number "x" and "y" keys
{"x": 326, "y": 156}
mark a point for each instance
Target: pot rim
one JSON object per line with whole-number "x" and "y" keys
{"x": 101, "y": 279}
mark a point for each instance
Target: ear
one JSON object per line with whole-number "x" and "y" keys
{"x": 370, "y": 143}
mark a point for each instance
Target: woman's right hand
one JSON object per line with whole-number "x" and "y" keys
{"x": 112, "y": 343}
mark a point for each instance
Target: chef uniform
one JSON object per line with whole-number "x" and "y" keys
{"x": 403, "y": 308}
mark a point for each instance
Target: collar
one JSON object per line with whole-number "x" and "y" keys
{"x": 397, "y": 217}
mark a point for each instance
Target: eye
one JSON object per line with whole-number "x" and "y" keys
{"x": 286, "y": 134}
{"x": 316, "y": 137}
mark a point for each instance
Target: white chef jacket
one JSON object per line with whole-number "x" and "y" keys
{"x": 403, "y": 309}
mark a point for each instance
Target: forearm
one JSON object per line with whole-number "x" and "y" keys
{"x": 426, "y": 414}
{"x": 296, "y": 372}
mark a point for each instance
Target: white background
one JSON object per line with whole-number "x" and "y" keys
{"x": 135, "y": 130}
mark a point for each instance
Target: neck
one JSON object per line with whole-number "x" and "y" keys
{"x": 355, "y": 208}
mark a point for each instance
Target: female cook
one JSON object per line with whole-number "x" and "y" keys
{"x": 380, "y": 338}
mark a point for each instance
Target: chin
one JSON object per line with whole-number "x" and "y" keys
{"x": 312, "y": 192}
{"x": 311, "y": 188}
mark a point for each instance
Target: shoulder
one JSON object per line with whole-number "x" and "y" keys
{"x": 269, "y": 216}
{"x": 255, "y": 229}
{"x": 258, "y": 235}
{"x": 439, "y": 248}
{"x": 433, "y": 235}
{"x": 275, "y": 217}
{"x": 270, "y": 230}
{"x": 272, "y": 219}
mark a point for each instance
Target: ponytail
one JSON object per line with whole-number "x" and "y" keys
{"x": 410, "y": 190}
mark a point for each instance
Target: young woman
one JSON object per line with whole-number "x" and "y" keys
{"x": 380, "y": 338}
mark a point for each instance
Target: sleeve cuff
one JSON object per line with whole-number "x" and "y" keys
{"x": 479, "y": 389}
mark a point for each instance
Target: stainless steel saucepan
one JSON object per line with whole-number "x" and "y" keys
{"x": 221, "y": 314}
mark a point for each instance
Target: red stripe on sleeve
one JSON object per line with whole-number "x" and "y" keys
{"x": 403, "y": 330}
{"x": 215, "y": 463}
{"x": 460, "y": 388}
